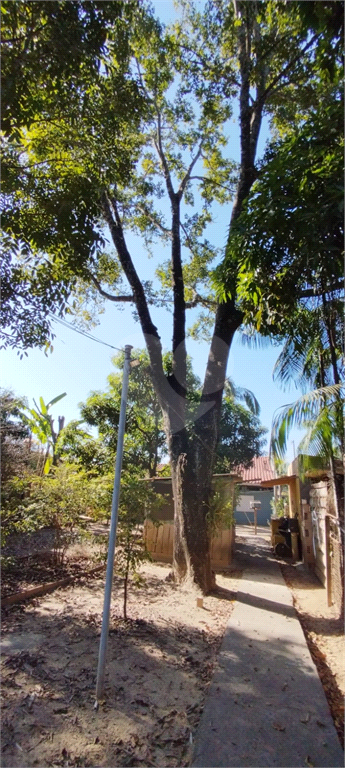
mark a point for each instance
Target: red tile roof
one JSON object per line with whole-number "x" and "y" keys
{"x": 260, "y": 469}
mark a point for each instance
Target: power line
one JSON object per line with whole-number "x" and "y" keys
{"x": 93, "y": 338}
{"x": 83, "y": 333}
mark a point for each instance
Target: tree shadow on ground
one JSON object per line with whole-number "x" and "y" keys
{"x": 257, "y": 602}
{"x": 49, "y": 689}
{"x": 264, "y": 707}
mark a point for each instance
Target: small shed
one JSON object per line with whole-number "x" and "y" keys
{"x": 159, "y": 531}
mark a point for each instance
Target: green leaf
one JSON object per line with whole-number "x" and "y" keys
{"x": 43, "y": 406}
{"x": 56, "y": 399}
{"x": 47, "y": 465}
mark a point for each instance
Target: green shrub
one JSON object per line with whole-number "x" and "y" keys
{"x": 221, "y": 508}
{"x": 17, "y": 514}
{"x": 60, "y": 500}
{"x": 138, "y": 500}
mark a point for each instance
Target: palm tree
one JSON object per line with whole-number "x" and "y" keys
{"x": 241, "y": 436}
{"x": 317, "y": 412}
{"x": 310, "y": 359}
{"x": 236, "y": 393}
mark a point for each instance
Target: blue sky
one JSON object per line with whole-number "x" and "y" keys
{"x": 79, "y": 365}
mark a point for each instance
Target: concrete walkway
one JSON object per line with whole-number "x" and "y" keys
{"x": 266, "y": 705}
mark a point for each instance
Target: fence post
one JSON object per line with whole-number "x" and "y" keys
{"x": 328, "y": 561}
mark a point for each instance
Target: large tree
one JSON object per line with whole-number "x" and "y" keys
{"x": 144, "y": 444}
{"x": 257, "y": 58}
{"x": 289, "y": 238}
{"x": 240, "y": 436}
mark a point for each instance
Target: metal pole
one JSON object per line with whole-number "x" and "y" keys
{"x": 112, "y": 533}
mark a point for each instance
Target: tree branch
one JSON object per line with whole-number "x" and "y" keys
{"x": 159, "y": 149}
{"x": 190, "y": 245}
{"x": 310, "y": 292}
{"x": 208, "y": 303}
{"x": 128, "y": 267}
{"x": 165, "y": 230}
{"x": 287, "y": 67}
{"x": 171, "y": 402}
{"x": 107, "y": 295}
{"x": 187, "y": 176}
{"x": 210, "y": 181}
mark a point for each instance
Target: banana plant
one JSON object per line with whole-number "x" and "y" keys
{"x": 41, "y": 424}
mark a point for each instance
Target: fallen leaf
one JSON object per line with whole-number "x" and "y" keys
{"x": 305, "y": 719}
{"x": 278, "y": 727}
{"x": 141, "y": 702}
{"x": 309, "y": 762}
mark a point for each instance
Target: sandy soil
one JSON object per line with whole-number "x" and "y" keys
{"x": 159, "y": 665}
{"x": 325, "y": 636}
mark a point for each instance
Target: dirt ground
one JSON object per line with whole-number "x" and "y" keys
{"x": 159, "y": 665}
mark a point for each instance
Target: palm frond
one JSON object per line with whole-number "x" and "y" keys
{"x": 319, "y": 438}
{"x": 254, "y": 340}
{"x": 299, "y": 361}
{"x": 229, "y": 388}
{"x": 250, "y": 400}
{"x": 300, "y": 413}
{"x": 289, "y": 365}
{"x": 241, "y": 393}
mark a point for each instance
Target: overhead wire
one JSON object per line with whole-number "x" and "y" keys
{"x": 65, "y": 324}
{"x": 99, "y": 341}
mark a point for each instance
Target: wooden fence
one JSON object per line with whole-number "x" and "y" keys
{"x": 159, "y": 541}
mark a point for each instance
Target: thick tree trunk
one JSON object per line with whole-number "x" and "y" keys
{"x": 191, "y": 480}
{"x": 192, "y": 459}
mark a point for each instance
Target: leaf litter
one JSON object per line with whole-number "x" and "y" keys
{"x": 159, "y": 666}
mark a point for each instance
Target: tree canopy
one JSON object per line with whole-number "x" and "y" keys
{"x": 289, "y": 237}
{"x": 145, "y": 445}
{"x": 65, "y": 132}
{"x": 152, "y": 122}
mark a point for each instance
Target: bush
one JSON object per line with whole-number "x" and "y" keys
{"x": 221, "y": 508}
{"x": 64, "y": 499}
{"x": 17, "y": 515}
{"x": 137, "y": 501}
{"x": 60, "y": 500}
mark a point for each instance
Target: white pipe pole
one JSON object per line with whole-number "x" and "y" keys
{"x": 112, "y": 533}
